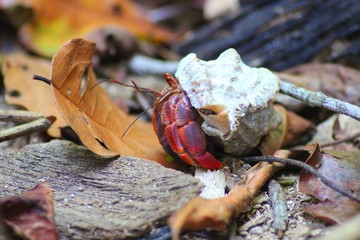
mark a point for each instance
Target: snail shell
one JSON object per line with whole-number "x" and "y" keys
{"x": 235, "y": 100}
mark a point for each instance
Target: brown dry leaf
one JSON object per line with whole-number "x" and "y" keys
{"x": 54, "y": 24}
{"x": 297, "y": 126}
{"x": 200, "y": 213}
{"x": 342, "y": 168}
{"x": 90, "y": 112}
{"x": 22, "y": 90}
{"x": 332, "y": 79}
{"x": 31, "y": 214}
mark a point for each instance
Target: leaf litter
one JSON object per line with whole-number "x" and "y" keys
{"x": 314, "y": 75}
{"x": 343, "y": 168}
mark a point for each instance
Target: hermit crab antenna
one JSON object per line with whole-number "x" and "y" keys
{"x": 98, "y": 83}
{"x": 133, "y": 122}
{"x": 137, "y": 88}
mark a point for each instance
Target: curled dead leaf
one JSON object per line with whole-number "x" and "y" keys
{"x": 31, "y": 214}
{"x": 201, "y": 213}
{"x": 90, "y": 112}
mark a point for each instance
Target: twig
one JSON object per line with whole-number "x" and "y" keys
{"x": 346, "y": 139}
{"x": 335, "y": 142}
{"x": 144, "y": 65}
{"x": 304, "y": 166}
{"x": 280, "y": 215}
{"x": 319, "y": 99}
{"x": 19, "y": 116}
{"x": 23, "y": 129}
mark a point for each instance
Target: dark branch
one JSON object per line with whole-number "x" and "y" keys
{"x": 305, "y": 167}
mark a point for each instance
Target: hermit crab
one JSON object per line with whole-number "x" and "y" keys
{"x": 177, "y": 125}
{"x": 222, "y": 98}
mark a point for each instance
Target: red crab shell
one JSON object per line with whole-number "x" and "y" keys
{"x": 176, "y": 124}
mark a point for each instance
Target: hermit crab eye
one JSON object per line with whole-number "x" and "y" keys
{"x": 171, "y": 80}
{"x": 206, "y": 111}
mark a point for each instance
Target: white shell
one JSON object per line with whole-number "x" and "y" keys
{"x": 240, "y": 96}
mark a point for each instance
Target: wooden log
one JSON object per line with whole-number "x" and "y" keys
{"x": 283, "y": 33}
{"x": 96, "y": 198}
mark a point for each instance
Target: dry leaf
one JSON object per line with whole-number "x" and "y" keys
{"x": 90, "y": 112}
{"x": 22, "y": 90}
{"x": 31, "y": 214}
{"x": 200, "y": 213}
{"x": 336, "y": 128}
{"x": 54, "y": 24}
{"x": 297, "y": 126}
{"x": 342, "y": 168}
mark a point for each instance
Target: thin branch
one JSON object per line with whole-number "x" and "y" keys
{"x": 19, "y": 116}
{"x": 23, "y": 129}
{"x": 346, "y": 139}
{"x": 305, "y": 167}
{"x": 318, "y": 99}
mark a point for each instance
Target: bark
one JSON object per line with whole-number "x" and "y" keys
{"x": 96, "y": 198}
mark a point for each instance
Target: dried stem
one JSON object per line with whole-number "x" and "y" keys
{"x": 346, "y": 139}
{"x": 305, "y": 167}
{"x": 318, "y": 99}
{"x": 23, "y": 129}
{"x": 19, "y": 116}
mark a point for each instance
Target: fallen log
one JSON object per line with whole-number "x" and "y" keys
{"x": 96, "y": 198}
